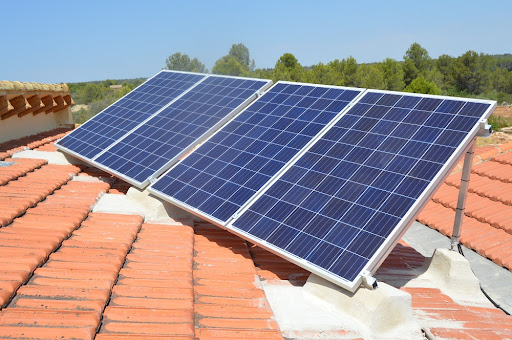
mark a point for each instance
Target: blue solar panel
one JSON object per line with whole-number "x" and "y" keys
{"x": 339, "y": 205}
{"x": 178, "y": 127}
{"x": 226, "y": 171}
{"x": 121, "y": 117}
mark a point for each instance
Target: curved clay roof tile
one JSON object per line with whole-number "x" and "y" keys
{"x": 6, "y": 85}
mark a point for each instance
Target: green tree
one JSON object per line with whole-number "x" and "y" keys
{"x": 108, "y": 82}
{"x": 91, "y": 92}
{"x": 241, "y": 53}
{"x": 230, "y": 65}
{"x": 473, "y": 72}
{"x": 422, "y": 85}
{"x": 288, "y": 68}
{"x": 370, "y": 76}
{"x": 236, "y": 63}
{"x": 445, "y": 65}
{"x": 344, "y": 71}
{"x": 321, "y": 74}
{"x": 393, "y": 74}
{"x": 416, "y": 62}
{"x": 504, "y": 61}
{"x": 182, "y": 62}
{"x": 435, "y": 76}
{"x": 502, "y": 80}
{"x": 263, "y": 73}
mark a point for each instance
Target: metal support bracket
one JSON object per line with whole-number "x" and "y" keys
{"x": 485, "y": 129}
{"x": 463, "y": 193}
{"x": 368, "y": 280}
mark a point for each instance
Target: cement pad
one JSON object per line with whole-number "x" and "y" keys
{"x": 321, "y": 310}
{"x": 50, "y": 156}
{"x": 140, "y": 202}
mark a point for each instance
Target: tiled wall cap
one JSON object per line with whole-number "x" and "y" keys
{"x": 6, "y": 85}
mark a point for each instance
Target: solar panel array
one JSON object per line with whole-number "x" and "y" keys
{"x": 172, "y": 131}
{"x": 340, "y": 202}
{"x": 220, "y": 176}
{"x": 108, "y": 126}
{"x": 327, "y": 177}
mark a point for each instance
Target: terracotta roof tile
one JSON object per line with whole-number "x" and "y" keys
{"x": 505, "y": 158}
{"x": 487, "y": 226}
{"x": 438, "y": 313}
{"x": 67, "y": 272}
{"x": 7, "y": 149}
{"x": 505, "y": 147}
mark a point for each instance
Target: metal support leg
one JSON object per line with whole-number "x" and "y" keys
{"x": 463, "y": 192}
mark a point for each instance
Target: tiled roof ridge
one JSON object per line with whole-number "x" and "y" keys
{"x": 20, "y": 99}
{"x": 17, "y": 86}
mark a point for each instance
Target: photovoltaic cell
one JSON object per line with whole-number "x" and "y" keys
{"x": 341, "y": 201}
{"x": 230, "y": 167}
{"x": 179, "y": 126}
{"x": 115, "y": 121}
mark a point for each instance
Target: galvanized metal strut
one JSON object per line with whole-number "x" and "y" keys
{"x": 463, "y": 193}
{"x": 485, "y": 131}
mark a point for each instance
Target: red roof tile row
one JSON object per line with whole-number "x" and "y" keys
{"x": 7, "y": 149}
{"x": 229, "y": 301}
{"x": 108, "y": 276}
{"x": 436, "y": 312}
{"x": 487, "y": 225}
{"x": 154, "y": 292}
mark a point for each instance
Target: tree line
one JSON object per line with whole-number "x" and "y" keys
{"x": 470, "y": 75}
{"x": 98, "y": 95}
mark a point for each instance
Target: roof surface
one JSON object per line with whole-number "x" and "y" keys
{"x": 67, "y": 272}
{"x": 487, "y": 226}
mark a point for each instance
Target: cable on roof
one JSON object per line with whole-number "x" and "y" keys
{"x": 497, "y": 305}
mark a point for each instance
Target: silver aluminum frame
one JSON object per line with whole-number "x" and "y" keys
{"x": 224, "y": 224}
{"x": 381, "y": 254}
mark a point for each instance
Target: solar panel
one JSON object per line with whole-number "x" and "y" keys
{"x": 168, "y": 135}
{"x": 220, "y": 176}
{"x": 115, "y": 121}
{"x": 343, "y": 205}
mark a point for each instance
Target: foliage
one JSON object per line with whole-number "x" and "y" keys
{"x": 445, "y": 64}
{"x": 236, "y": 63}
{"x": 288, "y": 68}
{"x": 98, "y": 95}
{"x": 241, "y": 53}
{"x": 182, "y": 62}
{"x": 422, "y": 85}
{"x": 81, "y": 116}
{"x": 393, "y": 75}
{"x": 262, "y": 73}
{"x": 91, "y": 92}
{"x": 345, "y": 71}
{"x": 472, "y": 74}
{"x": 229, "y": 65}
{"x": 370, "y": 76}
{"x": 499, "y": 122}
{"x": 417, "y": 61}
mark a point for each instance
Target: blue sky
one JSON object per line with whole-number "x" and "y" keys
{"x": 70, "y": 41}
